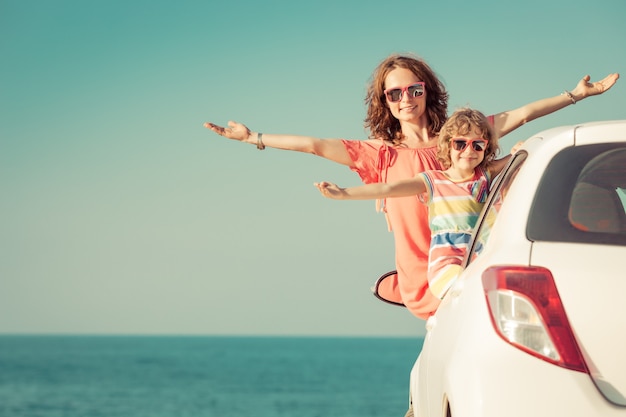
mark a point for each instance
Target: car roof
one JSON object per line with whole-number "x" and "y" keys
{"x": 578, "y": 134}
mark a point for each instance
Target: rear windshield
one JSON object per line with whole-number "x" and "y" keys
{"x": 582, "y": 197}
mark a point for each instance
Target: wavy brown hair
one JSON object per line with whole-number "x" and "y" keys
{"x": 380, "y": 121}
{"x": 462, "y": 123}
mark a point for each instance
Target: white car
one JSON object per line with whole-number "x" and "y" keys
{"x": 535, "y": 326}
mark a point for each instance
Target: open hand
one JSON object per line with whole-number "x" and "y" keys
{"x": 585, "y": 88}
{"x": 236, "y": 131}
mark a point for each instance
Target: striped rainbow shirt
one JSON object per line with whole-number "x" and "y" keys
{"x": 453, "y": 210}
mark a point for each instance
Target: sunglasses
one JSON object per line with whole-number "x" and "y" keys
{"x": 479, "y": 145}
{"x": 414, "y": 90}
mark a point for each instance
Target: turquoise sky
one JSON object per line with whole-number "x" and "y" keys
{"x": 122, "y": 214}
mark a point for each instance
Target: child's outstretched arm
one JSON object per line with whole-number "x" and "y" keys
{"x": 508, "y": 121}
{"x": 403, "y": 188}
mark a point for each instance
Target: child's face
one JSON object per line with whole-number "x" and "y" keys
{"x": 469, "y": 151}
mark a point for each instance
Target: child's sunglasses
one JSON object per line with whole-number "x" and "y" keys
{"x": 414, "y": 90}
{"x": 479, "y": 145}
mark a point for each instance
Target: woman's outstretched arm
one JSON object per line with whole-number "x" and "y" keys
{"x": 508, "y": 121}
{"x": 332, "y": 149}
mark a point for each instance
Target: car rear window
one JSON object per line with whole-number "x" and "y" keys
{"x": 582, "y": 197}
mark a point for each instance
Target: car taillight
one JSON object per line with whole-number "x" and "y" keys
{"x": 527, "y": 312}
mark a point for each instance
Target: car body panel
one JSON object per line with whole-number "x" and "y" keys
{"x": 603, "y": 345}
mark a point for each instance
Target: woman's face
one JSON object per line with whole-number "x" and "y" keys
{"x": 408, "y": 109}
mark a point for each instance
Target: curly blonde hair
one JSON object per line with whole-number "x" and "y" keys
{"x": 380, "y": 121}
{"x": 461, "y": 123}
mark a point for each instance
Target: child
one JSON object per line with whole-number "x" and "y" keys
{"x": 455, "y": 196}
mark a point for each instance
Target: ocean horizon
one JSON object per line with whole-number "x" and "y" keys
{"x": 204, "y": 376}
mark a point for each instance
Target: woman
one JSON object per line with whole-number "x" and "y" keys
{"x": 406, "y": 108}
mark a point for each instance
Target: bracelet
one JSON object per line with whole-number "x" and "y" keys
{"x": 259, "y": 141}
{"x": 568, "y": 94}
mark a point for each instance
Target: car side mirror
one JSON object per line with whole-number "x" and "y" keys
{"x": 386, "y": 289}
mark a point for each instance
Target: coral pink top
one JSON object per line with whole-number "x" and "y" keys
{"x": 375, "y": 161}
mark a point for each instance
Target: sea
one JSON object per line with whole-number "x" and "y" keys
{"x": 204, "y": 376}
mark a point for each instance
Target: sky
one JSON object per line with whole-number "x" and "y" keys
{"x": 122, "y": 214}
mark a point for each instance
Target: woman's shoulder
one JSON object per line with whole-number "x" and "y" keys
{"x": 376, "y": 143}
{"x": 362, "y": 146}
{"x": 427, "y": 147}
